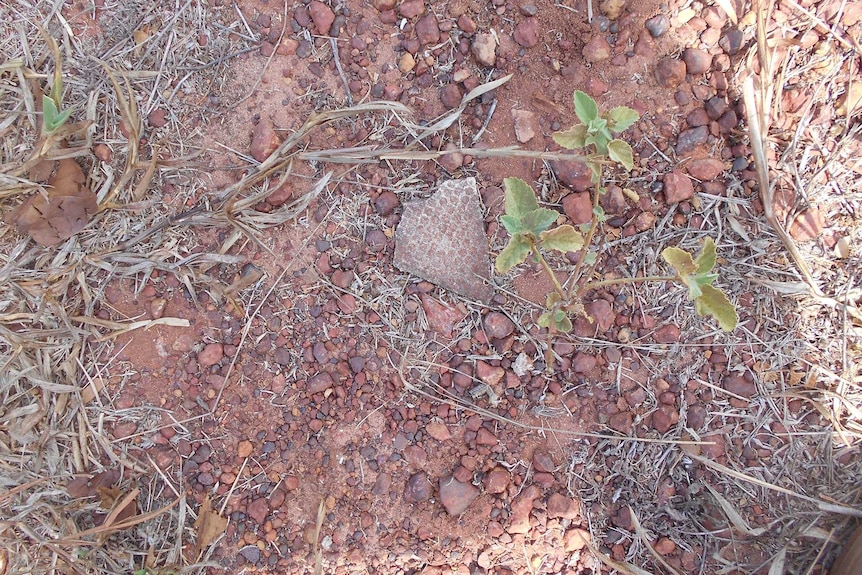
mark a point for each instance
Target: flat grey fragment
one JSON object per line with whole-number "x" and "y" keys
{"x": 442, "y": 240}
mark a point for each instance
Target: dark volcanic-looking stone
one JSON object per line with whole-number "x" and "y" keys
{"x": 442, "y": 239}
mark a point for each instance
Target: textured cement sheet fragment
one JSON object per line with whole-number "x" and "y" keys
{"x": 442, "y": 239}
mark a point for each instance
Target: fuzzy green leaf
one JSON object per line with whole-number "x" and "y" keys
{"x": 706, "y": 258}
{"x": 621, "y": 153}
{"x": 600, "y": 142}
{"x": 515, "y": 252}
{"x": 713, "y": 302}
{"x": 705, "y": 279}
{"x": 680, "y": 260}
{"x": 599, "y": 212}
{"x": 585, "y": 107}
{"x": 544, "y": 319}
{"x": 520, "y": 197}
{"x": 564, "y": 324}
{"x": 563, "y": 239}
{"x": 572, "y": 139}
{"x": 512, "y": 224}
{"x": 595, "y": 172}
{"x": 539, "y": 220}
{"x": 621, "y": 118}
{"x": 590, "y": 258}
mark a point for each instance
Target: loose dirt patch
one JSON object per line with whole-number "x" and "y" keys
{"x": 229, "y": 339}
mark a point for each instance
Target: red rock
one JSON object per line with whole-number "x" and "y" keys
{"x": 668, "y": 333}
{"x": 453, "y": 160}
{"x": 441, "y": 318}
{"x": 689, "y": 140}
{"x": 266, "y": 49}
{"x": 485, "y": 437}
{"x": 467, "y": 24}
{"x": 670, "y": 72}
{"x": 383, "y": 5}
{"x": 438, "y": 430}
{"x": 621, "y": 421}
{"x": 602, "y": 313}
{"x": 677, "y": 187}
{"x": 584, "y": 363}
{"x": 428, "y": 29}
{"x": 456, "y": 496}
{"x": 527, "y": 32}
{"x": 623, "y": 519}
{"x": 120, "y": 430}
{"x": 562, "y": 507}
{"x": 157, "y": 118}
{"x": 522, "y": 506}
{"x": 491, "y": 375}
{"x": 496, "y": 481}
{"x": 525, "y": 122}
{"x": 644, "y": 221}
{"x": 696, "y": 61}
{"x": 739, "y": 385}
{"x": 664, "y": 546}
{"x": 597, "y": 49}
{"x": 451, "y": 96}
{"x": 578, "y": 207}
{"x": 614, "y": 201}
{"x": 281, "y": 195}
{"x": 574, "y": 174}
{"x": 415, "y": 456}
{"x": 211, "y": 354}
{"x": 484, "y": 49}
{"x": 411, "y": 8}
{"x": 418, "y": 488}
{"x": 322, "y": 16}
{"x": 714, "y": 446}
{"x": 543, "y": 463}
{"x": 664, "y": 418}
{"x": 575, "y": 539}
{"x": 808, "y": 225}
{"x": 320, "y": 382}
{"x": 386, "y": 203}
{"x": 244, "y": 449}
{"x": 288, "y": 46}
{"x": 264, "y": 140}
{"x": 706, "y": 169}
{"x": 498, "y": 325}
{"x": 258, "y": 509}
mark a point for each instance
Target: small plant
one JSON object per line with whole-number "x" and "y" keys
{"x": 52, "y": 118}
{"x": 533, "y": 231}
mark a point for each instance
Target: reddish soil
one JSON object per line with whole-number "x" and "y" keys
{"x": 309, "y": 393}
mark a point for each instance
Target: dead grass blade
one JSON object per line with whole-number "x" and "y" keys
{"x": 646, "y": 542}
{"x": 735, "y": 518}
{"x": 822, "y": 505}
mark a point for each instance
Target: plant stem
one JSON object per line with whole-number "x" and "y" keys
{"x": 538, "y": 255}
{"x": 620, "y": 281}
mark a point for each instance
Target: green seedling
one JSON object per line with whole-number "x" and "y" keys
{"x": 52, "y": 118}
{"x": 533, "y": 231}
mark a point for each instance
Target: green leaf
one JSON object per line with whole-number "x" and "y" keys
{"x": 514, "y": 253}
{"x": 706, "y": 258}
{"x": 52, "y": 118}
{"x": 563, "y": 325}
{"x": 585, "y": 107}
{"x": 563, "y": 239}
{"x": 680, "y": 260}
{"x": 544, "y": 319}
{"x": 596, "y": 171}
{"x": 713, "y": 302}
{"x": 572, "y": 139}
{"x": 705, "y": 279}
{"x": 539, "y": 220}
{"x": 512, "y": 224}
{"x": 621, "y": 118}
{"x": 520, "y": 197}
{"x": 600, "y": 142}
{"x": 590, "y": 258}
{"x": 621, "y": 153}
{"x": 599, "y": 213}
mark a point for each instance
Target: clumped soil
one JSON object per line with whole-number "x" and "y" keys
{"x": 424, "y": 423}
